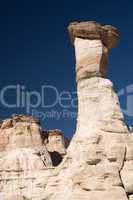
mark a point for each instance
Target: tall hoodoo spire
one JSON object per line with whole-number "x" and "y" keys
{"x": 96, "y": 165}
{"x": 97, "y": 102}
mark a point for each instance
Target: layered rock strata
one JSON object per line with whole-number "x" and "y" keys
{"x": 26, "y": 162}
{"x": 98, "y": 164}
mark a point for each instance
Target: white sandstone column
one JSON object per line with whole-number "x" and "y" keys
{"x": 98, "y": 105}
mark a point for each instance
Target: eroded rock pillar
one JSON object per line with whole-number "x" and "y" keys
{"x": 98, "y": 105}
{"x": 95, "y": 167}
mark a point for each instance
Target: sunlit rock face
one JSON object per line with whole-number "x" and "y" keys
{"x": 16, "y": 197}
{"x": 26, "y": 163}
{"x": 91, "y": 58}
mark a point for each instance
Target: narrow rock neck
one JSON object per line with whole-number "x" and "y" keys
{"x": 91, "y": 58}
{"x": 90, "y": 69}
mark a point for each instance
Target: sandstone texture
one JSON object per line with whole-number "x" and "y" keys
{"x": 98, "y": 163}
{"x": 28, "y": 155}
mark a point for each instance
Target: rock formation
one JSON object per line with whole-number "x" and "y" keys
{"x": 98, "y": 164}
{"x": 99, "y": 160}
{"x": 26, "y": 162}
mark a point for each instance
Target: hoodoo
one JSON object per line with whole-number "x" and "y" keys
{"x": 99, "y": 160}
{"x": 98, "y": 163}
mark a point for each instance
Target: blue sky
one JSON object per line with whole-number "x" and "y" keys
{"x": 35, "y": 50}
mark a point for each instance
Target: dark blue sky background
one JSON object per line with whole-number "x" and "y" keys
{"x": 35, "y": 49}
